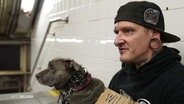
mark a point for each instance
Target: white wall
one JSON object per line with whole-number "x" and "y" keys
{"x": 88, "y": 37}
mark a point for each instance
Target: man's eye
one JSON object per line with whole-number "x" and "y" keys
{"x": 128, "y": 31}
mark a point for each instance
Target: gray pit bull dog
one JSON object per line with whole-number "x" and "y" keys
{"x": 75, "y": 84}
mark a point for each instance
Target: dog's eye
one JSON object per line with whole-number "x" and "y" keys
{"x": 51, "y": 67}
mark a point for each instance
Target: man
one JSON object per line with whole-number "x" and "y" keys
{"x": 151, "y": 72}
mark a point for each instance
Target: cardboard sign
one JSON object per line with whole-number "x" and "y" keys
{"x": 111, "y": 97}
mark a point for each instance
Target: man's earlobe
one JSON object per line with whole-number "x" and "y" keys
{"x": 155, "y": 43}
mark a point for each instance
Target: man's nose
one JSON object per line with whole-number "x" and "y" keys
{"x": 118, "y": 39}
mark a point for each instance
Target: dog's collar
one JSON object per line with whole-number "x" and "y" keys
{"x": 78, "y": 81}
{"x": 84, "y": 83}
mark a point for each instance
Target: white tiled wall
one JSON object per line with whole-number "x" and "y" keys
{"x": 88, "y": 37}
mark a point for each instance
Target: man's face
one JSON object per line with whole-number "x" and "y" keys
{"x": 132, "y": 41}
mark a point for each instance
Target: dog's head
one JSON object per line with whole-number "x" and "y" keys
{"x": 58, "y": 72}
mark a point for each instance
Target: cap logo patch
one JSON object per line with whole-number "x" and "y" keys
{"x": 151, "y": 16}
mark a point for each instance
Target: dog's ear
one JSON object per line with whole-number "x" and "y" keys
{"x": 73, "y": 64}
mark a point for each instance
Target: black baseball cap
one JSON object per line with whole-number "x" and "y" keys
{"x": 146, "y": 14}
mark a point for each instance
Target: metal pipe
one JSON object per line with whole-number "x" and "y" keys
{"x": 43, "y": 42}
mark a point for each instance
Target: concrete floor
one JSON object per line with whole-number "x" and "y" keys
{"x": 28, "y": 98}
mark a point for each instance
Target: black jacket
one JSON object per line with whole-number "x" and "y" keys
{"x": 160, "y": 81}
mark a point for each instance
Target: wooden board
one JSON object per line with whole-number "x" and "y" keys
{"x": 111, "y": 97}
